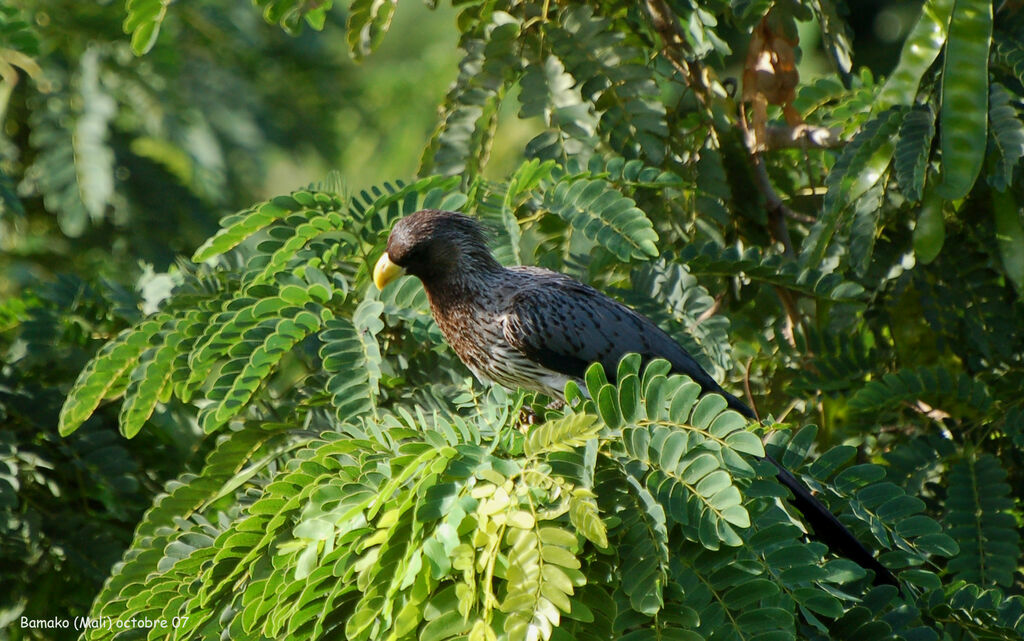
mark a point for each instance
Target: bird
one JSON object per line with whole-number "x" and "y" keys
{"x": 537, "y": 329}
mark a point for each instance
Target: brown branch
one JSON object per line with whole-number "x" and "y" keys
{"x": 801, "y": 218}
{"x": 802, "y": 136}
{"x": 746, "y": 388}
{"x": 792, "y": 314}
{"x": 675, "y": 47}
{"x": 710, "y": 311}
{"x": 775, "y": 209}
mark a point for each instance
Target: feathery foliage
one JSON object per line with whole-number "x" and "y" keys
{"x": 848, "y": 259}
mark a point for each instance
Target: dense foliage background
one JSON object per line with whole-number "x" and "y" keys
{"x": 832, "y": 226}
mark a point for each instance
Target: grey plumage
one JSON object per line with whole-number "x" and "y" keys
{"x": 536, "y": 329}
{"x": 525, "y": 326}
{"x": 565, "y": 326}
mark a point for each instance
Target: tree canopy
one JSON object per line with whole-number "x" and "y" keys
{"x": 216, "y": 427}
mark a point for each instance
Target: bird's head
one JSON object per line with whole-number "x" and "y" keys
{"x": 435, "y": 246}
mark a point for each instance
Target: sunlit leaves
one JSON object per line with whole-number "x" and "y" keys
{"x": 368, "y": 21}
{"x": 604, "y": 215}
{"x": 560, "y": 434}
{"x": 106, "y": 374}
{"x": 863, "y": 163}
{"x": 352, "y": 357}
{"x": 920, "y": 50}
{"x": 237, "y": 227}
{"x": 143, "y": 22}
{"x": 290, "y": 13}
{"x": 542, "y": 569}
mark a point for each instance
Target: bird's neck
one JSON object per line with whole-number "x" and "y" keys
{"x": 470, "y": 276}
{"x": 454, "y": 291}
{"x": 460, "y": 291}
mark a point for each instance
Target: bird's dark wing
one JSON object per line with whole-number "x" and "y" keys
{"x": 565, "y": 326}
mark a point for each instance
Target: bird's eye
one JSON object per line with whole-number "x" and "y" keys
{"x": 416, "y": 254}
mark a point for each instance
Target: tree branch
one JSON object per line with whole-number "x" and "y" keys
{"x": 675, "y": 48}
{"x": 802, "y": 136}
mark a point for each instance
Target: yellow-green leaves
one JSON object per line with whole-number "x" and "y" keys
{"x": 238, "y": 227}
{"x": 106, "y": 375}
{"x": 561, "y": 434}
{"x": 586, "y": 518}
{"x": 542, "y": 570}
{"x": 962, "y": 126}
{"x": 143, "y": 22}
{"x": 352, "y": 357}
{"x": 290, "y": 13}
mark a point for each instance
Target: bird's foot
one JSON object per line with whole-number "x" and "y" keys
{"x": 527, "y": 418}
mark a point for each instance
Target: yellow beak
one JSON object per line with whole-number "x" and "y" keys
{"x": 385, "y": 271}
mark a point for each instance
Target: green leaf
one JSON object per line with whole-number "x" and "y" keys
{"x": 978, "y": 515}
{"x": 919, "y": 51}
{"x": 232, "y": 391}
{"x": 143, "y": 22}
{"x": 930, "y": 230}
{"x": 863, "y": 163}
{"x": 1010, "y": 235}
{"x": 106, "y": 374}
{"x": 237, "y": 227}
{"x": 1007, "y": 134}
{"x": 601, "y": 213}
{"x": 150, "y": 382}
{"x": 561, "y": 434}
{"x": 290, "y": 13}
{"x": 746, "y": 442}
{"x": 351, "y": 355}
{"x": 962, "y": 122}
{"x": 585, "y": 517}
{"x": 368, "y": 21}
{"x": 912, "y": 150}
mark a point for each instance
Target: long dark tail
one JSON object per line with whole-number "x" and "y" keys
{"x": 826, "y": 526}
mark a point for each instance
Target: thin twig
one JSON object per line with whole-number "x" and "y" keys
{"x": 746, "y": 388}
{"x": 710, "y": 311}
{"x": 802, "y": 136}
{"x": 675, "y": 47}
